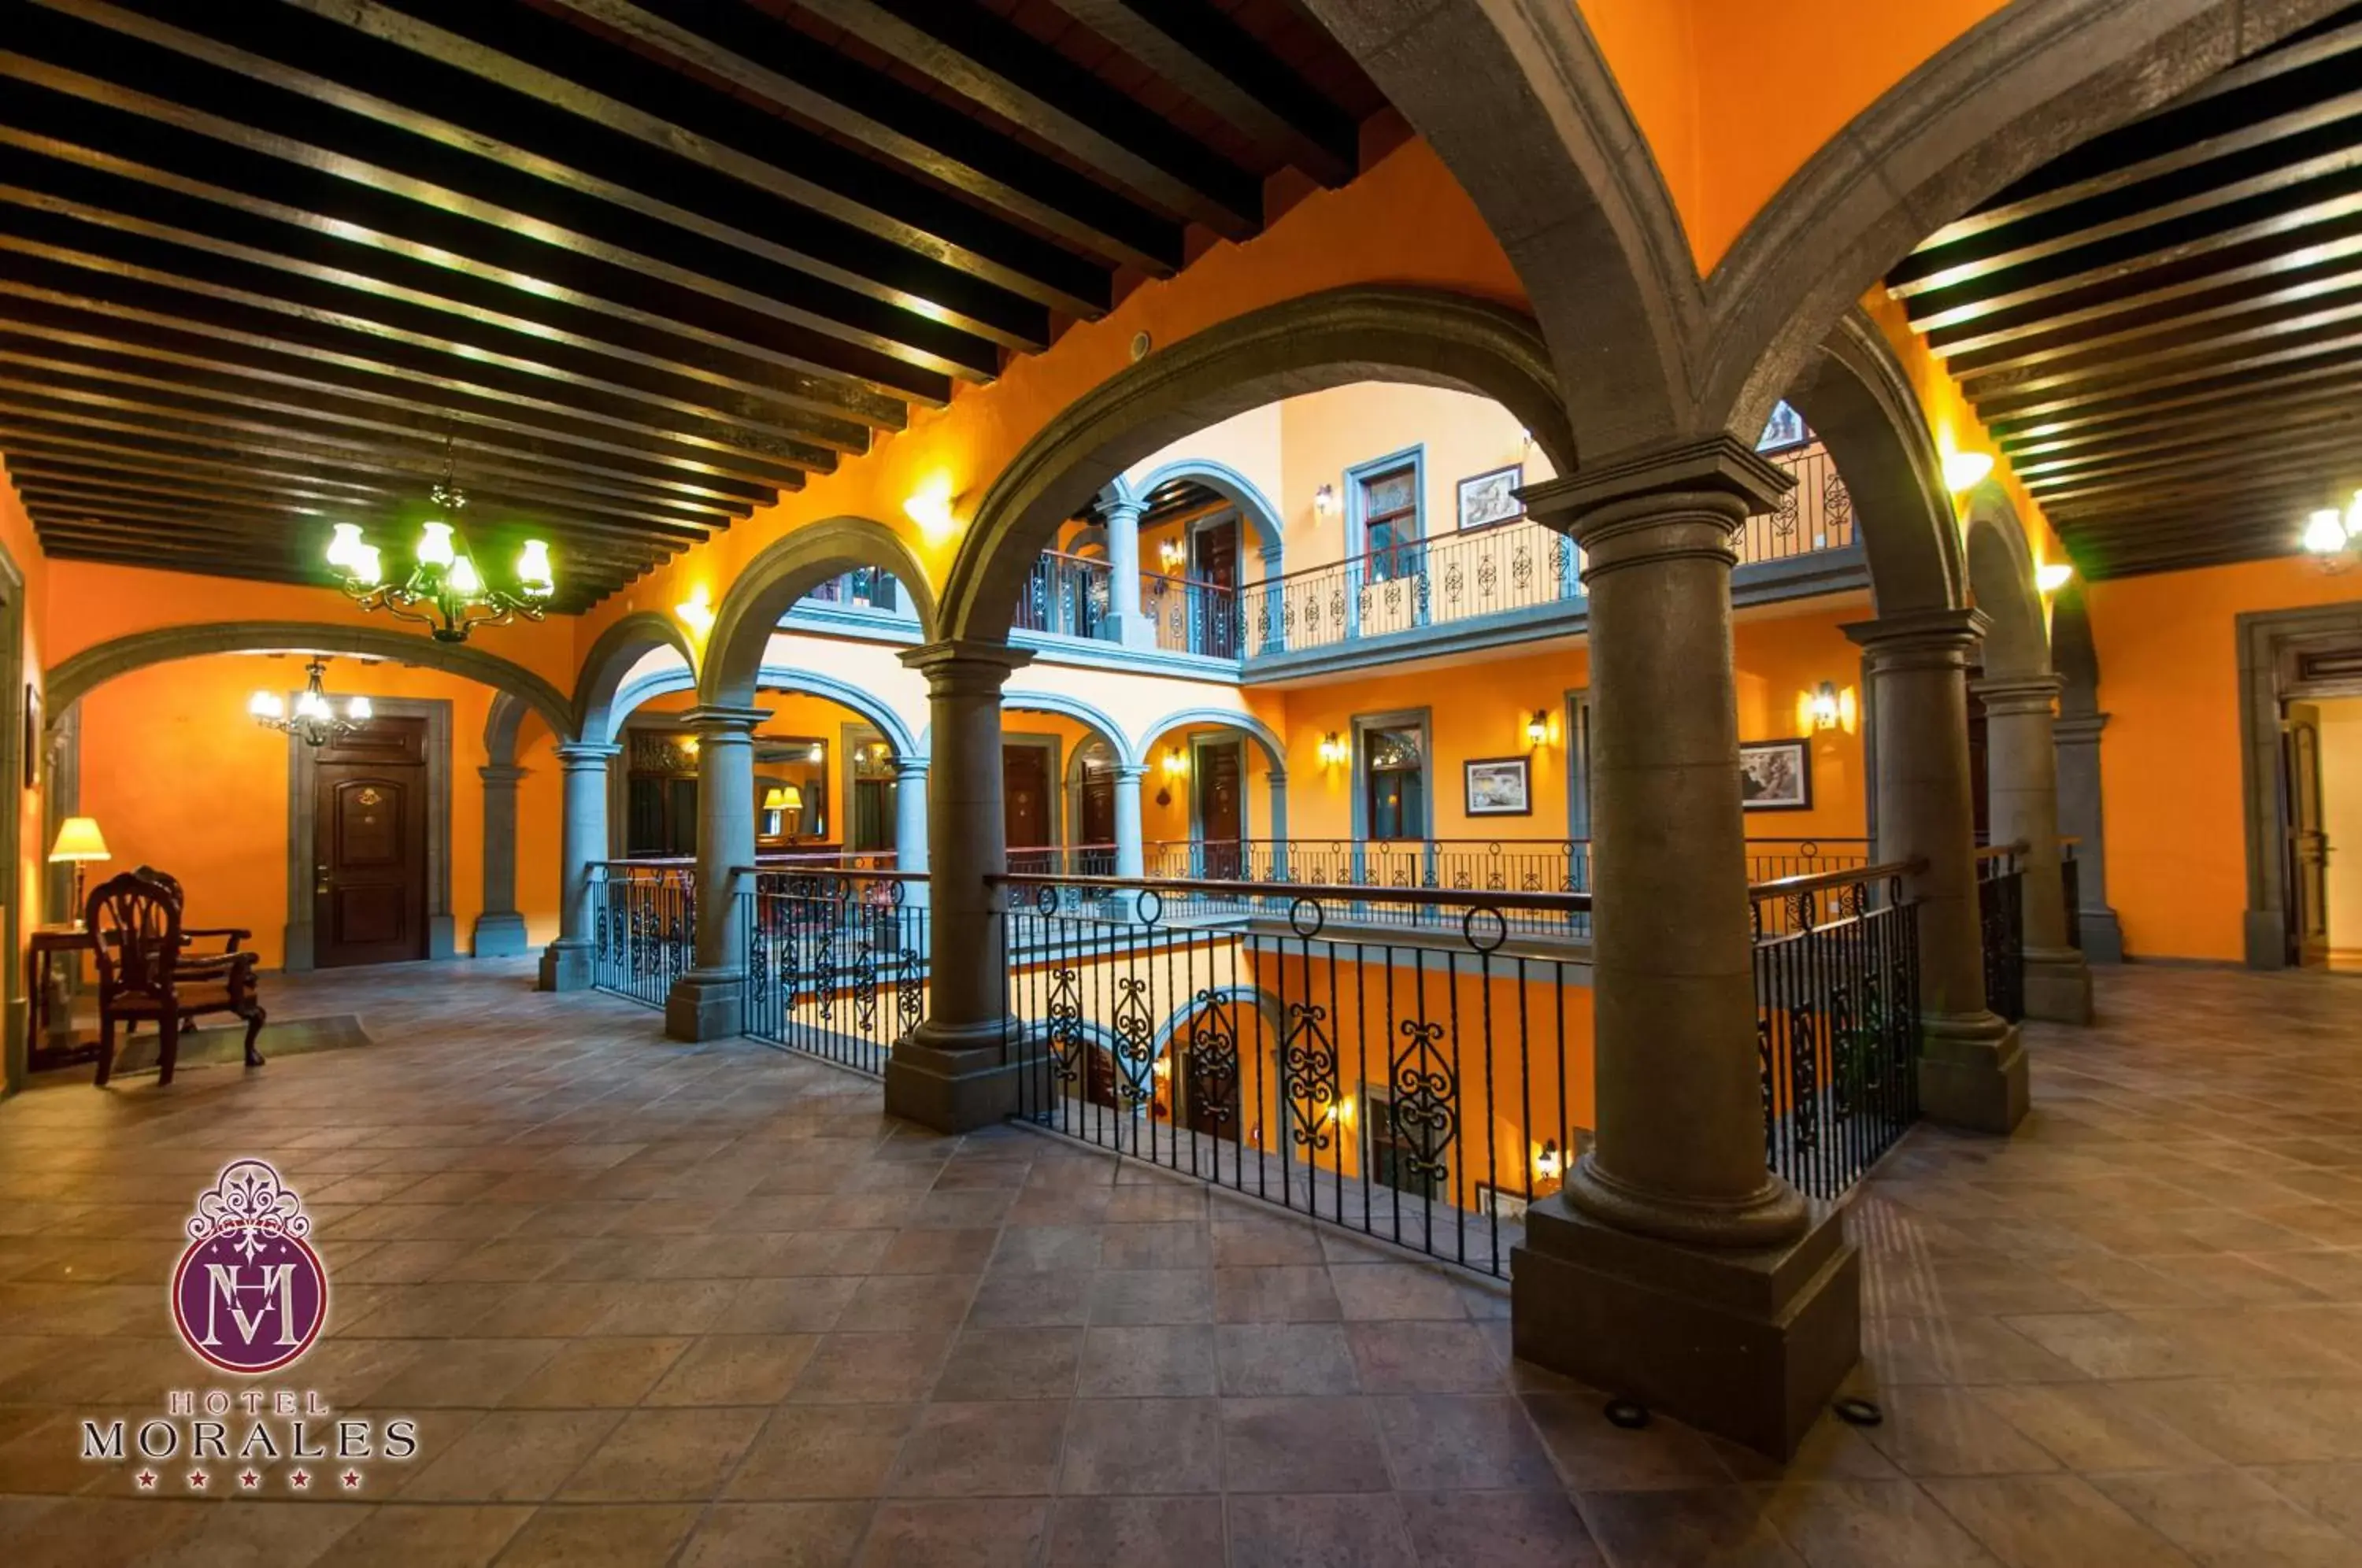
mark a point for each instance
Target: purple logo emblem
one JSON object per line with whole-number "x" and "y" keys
{"x": 249, "y": 1295}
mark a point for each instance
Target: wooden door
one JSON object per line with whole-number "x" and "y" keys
{"x": 1221, "y": 811}
{"x": 1097, "y": 803}
{"x": 1214, "y": 553}
{"x": 2308, "y": 846}
{"x": 1025, "y": 806}
{"x": 368, "y": 847}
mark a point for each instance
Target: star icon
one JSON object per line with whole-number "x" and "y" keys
{"x": 146, "y": 1479}
{"x": 196, "y": 1480}
{"x": 352, "y": 1479}
{"x": 298, "y": 1479}
{"x": 250, "y": 1480}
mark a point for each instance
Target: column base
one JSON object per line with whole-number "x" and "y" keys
{"x": 2268, "y": 939}
{"x": 2058, "y": 986}
{"x": 1972, "y": 1073}
{"x": 442, "y": 936}
{"x": 956, "y": 1079}
{"x": 499, "y": 936}
{"x": 565, "y": 967}
{"x": 706, "y": 1004}
{"x": 2103, "y": 935}
{"x": 1747, "y": 1344}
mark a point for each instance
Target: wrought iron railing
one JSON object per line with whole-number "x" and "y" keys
{"x": 1191, "y": 615}
{"x": 1065, "y": 596}
{"x": 1434, "y": 864}
{"x": 1817, "y": 514}
{"x": 2000, "y": 915}
{"x": 835, "y": 960}
{"x": 642, "y": 926}
{"x": 1419, "y": 1089}
{"x": 1837, "y": 997}
{"x": 1775, "y": 859}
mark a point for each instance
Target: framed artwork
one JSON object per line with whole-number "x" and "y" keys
{"x": 1486, "y": 499}
{"x": 1784, "y": 429}
{"x": 1500, "y": 787}
{"x": 1776, "y": 774}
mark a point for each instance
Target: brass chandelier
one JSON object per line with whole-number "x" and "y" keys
{"x": 443, "y": 590}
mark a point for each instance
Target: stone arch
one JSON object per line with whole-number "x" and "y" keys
{"x": 501, "y": 722}
{"x": 611, "y": 659}
{"x": 775, "y": 676}
{"x": 2001, "y": 577}
{"x": 1361, "y": 334}
{"x": 2027, "y": 82}
{"x": 69, "y": 681}
{"x": 1262, "y": 1001}
{"x": 783, "y": 573}
{"x": 1267, "y": 739}
{"x": 1858, "y": 400}
{"x": 1262, "y": 518}
{"x": 1088, "y": 714}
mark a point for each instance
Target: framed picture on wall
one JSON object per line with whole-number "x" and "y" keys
{"x": 1776, "y": 774}
{"x": 1500, "y": 787}
{"x": 1486, "y": 499}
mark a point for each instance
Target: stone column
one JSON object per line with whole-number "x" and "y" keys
{"x": 2081, "y": 819}
{"x": 1972, "y": 1068}
{"x": 565, "y": 963}
{"x": 1277, "y": 780}
{"x": 2021, "y": 769}
{"x": 499, "y": 929}
{"x": 911, "y": 825}
{"x": 1131, "y": 627}
{"x": 709, "y": 1002}
{"x": 1674, "y": 1267}
{"x": 956, "y": 1071}
{"x": 1131, "y": 852}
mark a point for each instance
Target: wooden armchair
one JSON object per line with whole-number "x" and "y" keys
{"x": 230, "y": 935}
{"x": 145, "y": 973}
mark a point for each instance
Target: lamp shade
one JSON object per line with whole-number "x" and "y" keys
{"x": 783, "y": 797}
{"x": 79, "y": 839}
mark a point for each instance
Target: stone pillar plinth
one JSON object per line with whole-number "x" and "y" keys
{"x": 1132, "y": 628}
{"x": 499, "y": 929}
{"x": 956, "y": 1070}
{"x": 1131, "y": 848}
{"x": 2022, "y": 774}
{"x": 582, "y": 766}
{"x": 1674, "y": 1267}
{"x": 911, "y": 825}
{"x": 1972, "y": 1068}
{"x": 709, "y": 1002}
{"x": 2081, "y": 819}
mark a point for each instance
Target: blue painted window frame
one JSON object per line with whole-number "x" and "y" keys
{"x": 1357, "y": 542}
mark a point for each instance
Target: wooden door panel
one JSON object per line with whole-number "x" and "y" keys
{"x": 1221, "y": 811}
{"x": 2307, "y": 844}
{"x": 369, "y": 837}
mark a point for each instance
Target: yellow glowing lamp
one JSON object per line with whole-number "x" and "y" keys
{"x": 696, "y": 613}
{"x": 345, "y": 546}
{"x": 931, "y": 508}
{"x": 263, "y": 705}
{"x": 2052, "y": 575}
{"x": 1537, "y": 728}
{"x": 1825, "y": 706}
{"x": 1964, "y": 470}
{"x": 435, "y": 546}
{"x": 534, "y": 574}
{"x": 78, "y": 842}
{"x": 464, "y": 579}
{"x": 366, "y": 566}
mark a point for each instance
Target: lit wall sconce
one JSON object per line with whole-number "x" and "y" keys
{"x": 1537, "y": 729}
{"x": 1324, "y": 500}
{"x": 1825, "y": 706}
{"x": 931, "y": 508}
{"x": 1170, "y": 552}
{"x": 696, "y": 613}
{"x": 1176, "y": 764}
{"x": 1332, "y": 749}
{"x": 819, "y": 752}
{"x": 1965, "y": 471}
{"x": 688, "y": 745}
{"x": 1547, "y": 1162}
{"x": 2052, "y": 575}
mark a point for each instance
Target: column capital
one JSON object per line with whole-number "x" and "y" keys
{"x": 966, "y": 667}
{"x": 723, "y": 722}
{"x": 579, "y": 755}
{"x": 911, "y": 766}
{"x": 1643, "y": 495}
{"x": 1131, "y": 772}
{"x": 499, "y": 775}
{"x": 1920, "y": 640}
{"x": 2016, "y": 694}
{"x": 1125, "y": 513}
{"x": 2079, "y": 729}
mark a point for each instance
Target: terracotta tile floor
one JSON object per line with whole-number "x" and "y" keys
{"x": 659, "y": 1303}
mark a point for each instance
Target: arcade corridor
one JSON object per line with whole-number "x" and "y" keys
{"x": 656, "y": 1303}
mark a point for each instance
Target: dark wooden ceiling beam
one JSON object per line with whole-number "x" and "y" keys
{"x": 771, "y": 62}
{"x": 290, "y": 94}
{"x": 2287, "y": 351}
{"x": 2176, "y": 350}
{"x": 2163, "y": 321}
{"x": 125, "y": 545}
{"x": 961, "y": 258}
{"x": 995, "y": 63}
{"x": 2299, "y": 492}
{"x": 2295, "y": 448}
{"x": 2229, "y": 414}
{"x": 1212, "y": 59}
{"x": 2225, "y": 435}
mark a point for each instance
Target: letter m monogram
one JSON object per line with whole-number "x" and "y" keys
{"x": 276, "y": 1289}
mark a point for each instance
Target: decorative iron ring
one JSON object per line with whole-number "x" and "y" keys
{"x": 1468, "y": 927}
{"x": 1150, "y": 908}
{"x": 1306, "y": 918}
{"x": 894, "y": 894}
{"x": 1045, "y": 899}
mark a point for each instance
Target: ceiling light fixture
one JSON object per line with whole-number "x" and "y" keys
{"x": 444, "y": 590}
{"x": 315, "y": 720}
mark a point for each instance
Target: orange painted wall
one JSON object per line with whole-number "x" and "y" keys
{"x": 1734, "y": 97}
{"x": 2169, "y": 757}
{"x": 24, "y": 548}
{"x": 179, "y": 778}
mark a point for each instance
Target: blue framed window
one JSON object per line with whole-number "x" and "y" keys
{"x": 1391, "y": 528}
{"x": 863, "y": 588}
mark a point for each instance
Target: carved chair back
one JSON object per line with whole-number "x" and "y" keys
{"x": 135, "y": 925}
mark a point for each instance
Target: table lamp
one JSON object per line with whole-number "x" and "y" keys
{"x": 80, "y": 842}
{"x": 783, "y": 798}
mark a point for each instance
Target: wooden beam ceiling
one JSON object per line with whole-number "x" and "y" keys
{"x": 2163, "y": 327}
{"x": 632, "y": 267}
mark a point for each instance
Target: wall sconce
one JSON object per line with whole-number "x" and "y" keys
{"x": 2052, "y": 575}
{"x": 696, "y": 613}
{"x": 819, "y": 752}
{"x": 1332, "y": 749}
{"x": 1176, "y": 764}
{"x": 1170, "y": 552}
{"x": 1324, "y": 500}
{"x": 1828, "y": 706}
{"x": 687, "y": 744}
{"x": 1546, "y": 1162}
{"x": 931, "y": 508}
{"x": 1963, "y": 471}
{"x": 1825, "y": 706}
{"x": 1537, "y": 729}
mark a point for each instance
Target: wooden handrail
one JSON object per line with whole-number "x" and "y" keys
{"x": 1351, "y": 892}
{"x": 1785, "y": 886}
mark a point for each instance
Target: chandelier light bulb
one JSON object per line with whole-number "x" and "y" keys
{"x": 266, "y": 705}
{"x": 313, "y": 705}
{"x": 359, "y": 711}
{"x": 534, "y": 572}
{"x": 345, "y": 544}
{"x": 463, "y": 577}
{"x": 2354, "y": 515}
{"x": 434, "y": 546}
{"x": 367, "y": 568}
{"x": 2324, "y": 533}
